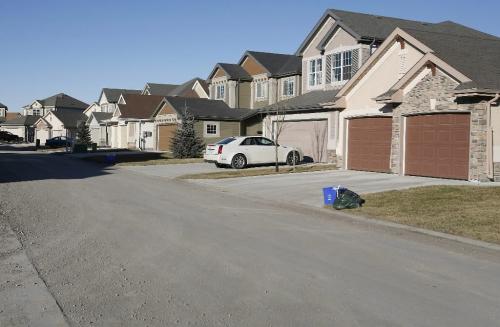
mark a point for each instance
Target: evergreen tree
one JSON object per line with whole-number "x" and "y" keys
{"x": 185, "y": 143}
{"x": 83, "y": 134}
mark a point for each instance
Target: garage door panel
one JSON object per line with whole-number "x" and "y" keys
{"x": 369, "y": 144}
{"x": 438, "y": 145}
{"x": 165, "y": 135}
{"x": 311, "y": 136}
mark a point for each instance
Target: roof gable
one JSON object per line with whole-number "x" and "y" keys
{"x": 205, "y": 109}
{"x": 274, "y": 64}
{"x": 231, "y": 71}
{"x": 112, "y": 95}
{"x": 139, "y": 106}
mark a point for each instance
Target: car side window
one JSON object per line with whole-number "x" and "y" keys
{"x": 249, "y": 141}
{"x": 264, "y": 141}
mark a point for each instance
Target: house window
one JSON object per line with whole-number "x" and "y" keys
{"x": 342, "y": 66}
{"x": 211, "y": 129}
{"x": 220, "y": 92}
{"x": 36, "y": 112}
{"x": 315, "y": 72}
{"x": 261, "y": 90}
{"x": 288, "y": 87}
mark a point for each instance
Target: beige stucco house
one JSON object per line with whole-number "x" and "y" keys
{"x": 62, "y": 122}
{"x": 53, "y": 103}
{"x": 214, "y": 119}
{"x": 420, "y": 106}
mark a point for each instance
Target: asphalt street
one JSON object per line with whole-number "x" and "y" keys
{"x": 120, "y": 248}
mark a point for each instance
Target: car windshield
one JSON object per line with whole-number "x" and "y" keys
{"x": 227, "y": 140}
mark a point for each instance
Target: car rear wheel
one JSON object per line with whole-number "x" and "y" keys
{"x": 293, "y": 158}
{"x": 239, "y": 161}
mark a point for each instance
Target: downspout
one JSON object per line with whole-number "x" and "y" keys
{"x": 489, "y": 137}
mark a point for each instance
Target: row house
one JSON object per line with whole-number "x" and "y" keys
{"x": 53, "y": 103}
{"x": 332, "y": 53}
{"x": 194, "y": 88}
{"x": 258, "y": 80}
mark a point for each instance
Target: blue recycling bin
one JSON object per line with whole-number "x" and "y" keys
{"x": 111, "y": 159}
{"x": 330, "y": 194}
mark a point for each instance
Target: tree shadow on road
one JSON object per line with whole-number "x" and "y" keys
{"x": 22, "y": 167}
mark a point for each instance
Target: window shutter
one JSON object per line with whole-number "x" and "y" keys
{"x": 328, "y": 67}
{"x": 355, "y": 61}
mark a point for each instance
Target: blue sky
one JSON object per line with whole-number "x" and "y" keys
{"x": 80, "y": 46}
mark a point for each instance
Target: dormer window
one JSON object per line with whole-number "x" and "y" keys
{"x": 315, "y": 72}
{"x": 288, "y": 87}
{"x": 36, "y": 112}
{"x": 342, "y": 66}
{"x": 260, "y": 90}
{"x": 220, "y": 91}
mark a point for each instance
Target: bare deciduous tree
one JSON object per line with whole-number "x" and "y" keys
{"x": 318, "y": 141}
{"x": 275, "y": 127}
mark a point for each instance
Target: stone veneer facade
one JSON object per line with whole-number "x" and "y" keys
{"x": 418, "y": 101}
{"x": 496, "y": 171}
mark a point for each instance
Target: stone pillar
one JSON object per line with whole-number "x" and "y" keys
{"x": 252, "y": 95}
{"x": 231, "y": 94}
{"x": 211, "y": 91}
{"x": 272, "y": 88}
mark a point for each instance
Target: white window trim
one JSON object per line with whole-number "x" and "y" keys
{"x": 342, "y": 49}
{"x": 217, "y": 87}
{"x": 308, "y": 64}
{"x": 217, "y": 129}
{"x": 264, "y": 86}
{"x": 288, "y": 80}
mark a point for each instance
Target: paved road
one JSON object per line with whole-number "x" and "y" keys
{"x": 117, "y": 248}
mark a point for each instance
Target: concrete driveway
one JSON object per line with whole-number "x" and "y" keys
{"x": 175, "y": 170}
{"x": 306, "y": 188}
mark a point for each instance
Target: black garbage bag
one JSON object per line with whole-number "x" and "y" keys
{"x": 347, "y": 199}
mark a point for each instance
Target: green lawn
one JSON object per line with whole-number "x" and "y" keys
{"x": 468, "y": 211}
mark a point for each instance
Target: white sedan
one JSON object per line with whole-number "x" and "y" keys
{"x": 240, "y": 151}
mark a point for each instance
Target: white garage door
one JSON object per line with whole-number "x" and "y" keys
{"x": 311, "y": 136}
{"x": 43, "y": 135}
{"x": 95, "y": 135}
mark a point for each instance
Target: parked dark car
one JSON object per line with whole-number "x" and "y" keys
{"x": 59, "y": 142}
{"x": 9, "y": 137}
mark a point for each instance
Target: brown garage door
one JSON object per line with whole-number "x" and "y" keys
{"x": 311, "y": 136}
{"x": 438, "y": 145}
{"x": 165, "y": 135}
{"x": 369, "y": 144}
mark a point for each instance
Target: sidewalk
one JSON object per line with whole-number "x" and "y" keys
{"x": 24, "y": 298}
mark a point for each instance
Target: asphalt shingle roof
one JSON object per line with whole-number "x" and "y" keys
{"x": 100, "y": 116}
{"x": 278, "y": 64}
{"x": 233, "y": 71}
{"x": 69, "y": 117}
{"x": 305, "y": 102}
{"x": 21, "y": 121}
{"x": 2, "y": 105}
{"x": 62, "y": 100}
{"x": 208, "y": 109}
{"x": 112, "y": 95}
{"x": 139, "y": 106}
{"x": 476, "y": 57}
{"x": 368, "y": 26}
{"x": 160, "y": 89}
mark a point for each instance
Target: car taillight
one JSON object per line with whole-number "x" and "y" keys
{"x": 219, "y": 151}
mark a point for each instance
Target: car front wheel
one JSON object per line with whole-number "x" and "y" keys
{"x": 293, "y": 158}
{"x": 239, "y": 161}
